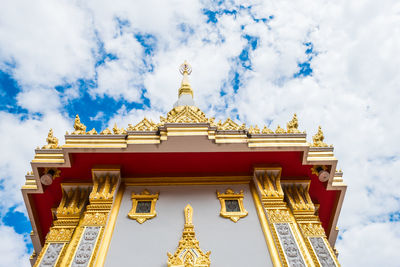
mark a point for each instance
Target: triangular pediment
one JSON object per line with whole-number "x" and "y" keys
{"x": 230, "y": 125}
{"x": 186, "y": 114}
{"x": 144, "y": 125}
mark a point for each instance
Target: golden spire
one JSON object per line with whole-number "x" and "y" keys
{"x": 185, "y": 69}
{"x": 188, "y": 215}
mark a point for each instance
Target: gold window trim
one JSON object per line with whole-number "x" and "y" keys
{"x": 144, "y": 196}
{"x": 231, "y": 195}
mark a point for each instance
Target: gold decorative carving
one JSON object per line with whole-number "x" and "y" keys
{"x": 68, "y": 214}
{"x": 92, "y": 132}
{"x": 254, "y": 130}
{"x": 266, "y": 130}
{"x": 52, "y": 141}
{"x": 95, "y": 218}
{"x": 185, "y": 69}
{"x": 318, "y": 139}
{"x": 106, "y": 131}
{"x": 103, "y": 188}
{"x": 57, "y": 172}
{"x": 298, "y": 198}
{"x": 230, "y": 125}
{"x": 140, "y": 216}
{"x": 186, "y": 114}
{"x": 79, "y": 127}
{"x": 118, "y": 131}
{"x": 271, "y": 183}
{"x": 279, "y": 215}
{"x": 230, "y": 195}
{"x": 312, "y": 229}
{"x": 144, "y": 125}
{"x": 293, "y": 125}
{"x": 72, "y": 203}
{"x": 189, "y": 253}
{"x": 314, "y": 169}
{"x": 280, "y": 130}
{"x": 60, "y": 234}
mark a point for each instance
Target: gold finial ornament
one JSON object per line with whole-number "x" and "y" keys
{"x": 79, "y": 127}
{"x": 318, "y": 139}
{"x": 254, "y": 130}
{"x": 293, "y": 125}
{"x": 52, "y": 141}
{"x": 280, "y": 130}
{"x": 189, "y": 253}
{"x": 106, "y": 131}
{"x": 185, "y": 69}
{"x": 92, "y": 132}
{"x": 117, "y": 130}
{"x": 266, "y": 130}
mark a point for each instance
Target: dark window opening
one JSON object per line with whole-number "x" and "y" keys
{"x": 232, "y": 206}
{"x": 143, "y": 207}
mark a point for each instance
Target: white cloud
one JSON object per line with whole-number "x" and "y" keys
{"x": 19, "y": 139}
{"x": 50, "y": 42}
{"x": 12, "y": 248}
{"x": 375, "y": 244}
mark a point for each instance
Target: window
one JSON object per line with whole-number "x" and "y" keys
{"x": 143, "y": 206}
{"x": 232, "y": 205}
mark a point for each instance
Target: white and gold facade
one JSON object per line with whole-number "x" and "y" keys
{"x": 186, "y": 191}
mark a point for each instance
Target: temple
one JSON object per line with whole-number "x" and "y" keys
{"x": 186, "y": 191}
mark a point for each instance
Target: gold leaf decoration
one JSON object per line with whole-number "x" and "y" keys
{"x": 189, "y": 253}
{"x": 185, "y": 114}
{"x": 79, "y": 127}
{"x": 230, "y": 125}
{"x": 144, "y": 125}
{"x": 266, "y": 130}
{"x": 293, "y": 125}
{"x": 312, "y": 229}
{"x": 92, "y": 132}
{"x": 118, "y": 131}
{"x": 280, "y": 130}
{"x": 318, "y": 139}
{"x": 52, "y": 141}
{"x": 106, "y": 131}
{"x": 254, "y": 130}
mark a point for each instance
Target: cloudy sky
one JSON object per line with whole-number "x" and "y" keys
{"x": 334, "y": 63}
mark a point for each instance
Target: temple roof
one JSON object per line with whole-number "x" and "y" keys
{"x": 179, "y": 143}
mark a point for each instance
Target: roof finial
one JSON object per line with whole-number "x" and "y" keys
{"x": 185, "y": 69}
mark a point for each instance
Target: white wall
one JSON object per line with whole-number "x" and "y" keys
{"x": 231, "y": 244}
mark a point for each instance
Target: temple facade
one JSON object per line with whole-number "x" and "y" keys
{"x": 186, "y": 191}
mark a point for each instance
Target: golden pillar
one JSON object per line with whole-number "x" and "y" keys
{"x": 88, "y": 236}
{"x": 68, "y": 215}
{"x": 287, "y": 236}
{"x": 298, "y": 198}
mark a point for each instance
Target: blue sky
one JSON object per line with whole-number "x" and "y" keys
{"x": 334, "y": 64}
